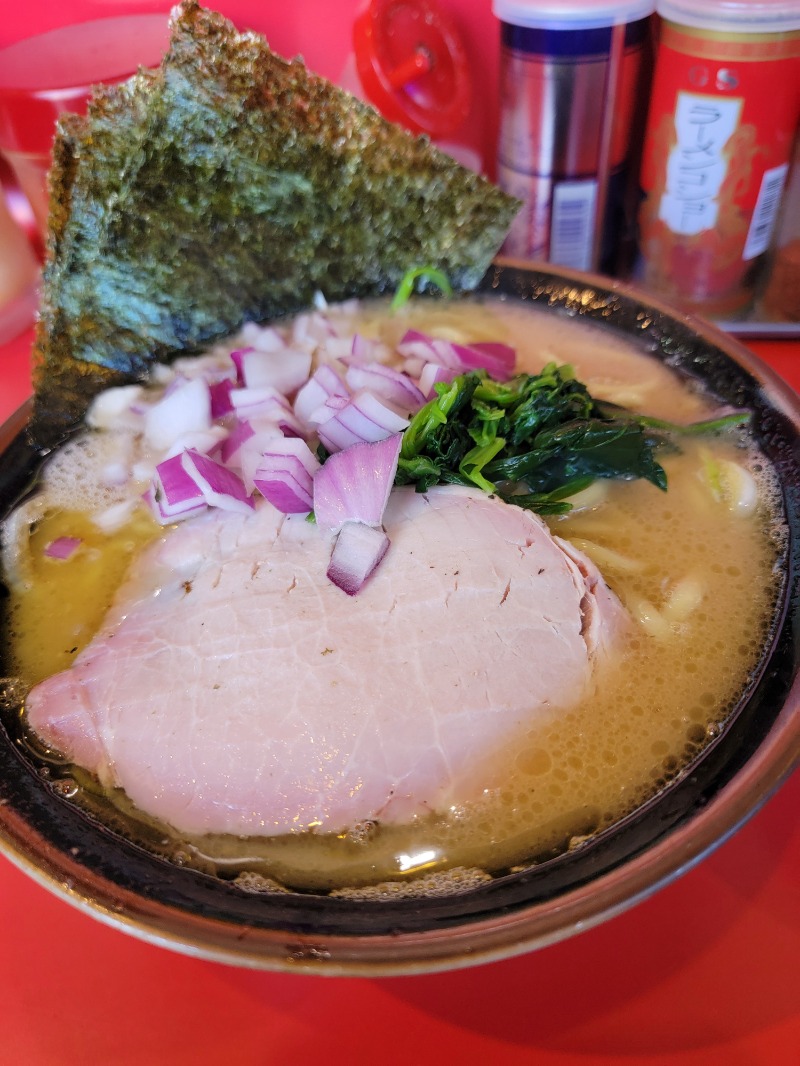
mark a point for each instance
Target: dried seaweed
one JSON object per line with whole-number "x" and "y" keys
{"x": 231, "y": 185}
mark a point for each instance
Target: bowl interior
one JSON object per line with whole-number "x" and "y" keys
{"x": 89, "y": 864}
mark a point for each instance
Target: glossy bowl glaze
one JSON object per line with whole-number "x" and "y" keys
{"x": 103, "y": 873}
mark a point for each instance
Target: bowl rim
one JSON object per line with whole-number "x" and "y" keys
{"x": 515, "y": 927}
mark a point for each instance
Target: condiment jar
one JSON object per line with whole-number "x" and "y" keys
{"x": 781, "y": 299}
{"x": 724, "y": 110}
{"x": 573, "y": 85}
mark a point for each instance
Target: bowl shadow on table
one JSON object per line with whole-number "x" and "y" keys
{"x": 606, "y": 990}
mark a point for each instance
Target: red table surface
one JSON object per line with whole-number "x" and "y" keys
{"x": 706, "y": 971}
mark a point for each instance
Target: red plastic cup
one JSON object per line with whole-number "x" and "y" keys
{"x": 42, "y": 77}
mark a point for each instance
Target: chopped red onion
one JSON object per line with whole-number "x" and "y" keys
{"x": 236, "y": 357}
{"x": 266, "y": 403}
{"x": 285, "y": 473}
{"x": 221, "y": 397}
{"x": 62, "y": 547}
{"x": 496, "y": 358}
{"x": 173, "y": 494}
{"x": 415, "y": 344}
{"x": 432, "y": 374}
{"x": 220, "y": 487}
{"x": 166, "y": 515}
{"x": 357, "y": 551}
{"x": 241, "y": 432}
{"x": 354, "y": 484}
{"x": 390, "y": 385}
{"x": 331, "y": 432}
{"x": 250, "y": 453}
{"x": 284, "y": 492}
{"x": 362, "y": 418}
{"x": 323, "y": 383}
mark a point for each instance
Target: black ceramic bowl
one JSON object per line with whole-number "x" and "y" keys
{"x": 106, "y": 875}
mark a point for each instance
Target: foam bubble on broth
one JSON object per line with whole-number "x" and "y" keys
{"x": 566, "y": 779}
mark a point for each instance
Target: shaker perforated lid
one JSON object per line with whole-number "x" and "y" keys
{"x": 412, "y": 65}
{"x": 571, "y": 14}
{"x": 734, "y": 16}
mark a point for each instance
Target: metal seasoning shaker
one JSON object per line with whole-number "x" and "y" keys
{"x": 724, "y": 112}
{"x": 573, "y": 87}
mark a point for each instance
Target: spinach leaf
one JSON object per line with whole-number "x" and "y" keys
{"x": 535, "y": 440}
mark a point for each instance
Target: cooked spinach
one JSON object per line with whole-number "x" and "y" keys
{"x": 534, "y": 440}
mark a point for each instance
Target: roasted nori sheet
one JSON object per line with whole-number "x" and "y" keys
{"x": 231, "y": 185}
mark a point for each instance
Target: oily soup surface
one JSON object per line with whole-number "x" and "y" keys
{"x": 694, "y": 566}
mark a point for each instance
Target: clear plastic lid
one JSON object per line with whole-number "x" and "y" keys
{"x": 734, "y": 16}
{"x": 573, "y": 14}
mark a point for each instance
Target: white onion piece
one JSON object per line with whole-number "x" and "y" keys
{"x": 285, "y": 370}
{"x": 364, "y": 349}
{"x": 116, "y": 408}
{"x": 390, "y": 385}
{"x": 354, "y": 484}
{"x": 362, "y": 418}
{"x": 339, "y": 347}
{"x": 113, "y": 518}
{"x": 262, "y": 338}
{"x": 200, "y": 441}
{"x": 219, "y": 486}
{"x": 311, "y": 329}
{"x": 322, "y": 384}
{"x": 412, "y": 367}
{"x": 116, "y": 474}
{"x": 357, "y": 551}
{"x": 183, "y": 409}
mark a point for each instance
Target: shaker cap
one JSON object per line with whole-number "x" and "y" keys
{"x": 572, "y": 14}
{"x": 733, "y": 16}
{"x": 412, "y": 64}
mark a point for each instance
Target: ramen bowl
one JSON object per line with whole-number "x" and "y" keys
{"x": 93, "y": 866}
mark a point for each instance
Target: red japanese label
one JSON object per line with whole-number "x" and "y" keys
{"x": 723, "y": 116}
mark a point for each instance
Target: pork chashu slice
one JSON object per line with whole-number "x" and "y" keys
{"x": 234, "y": 689}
